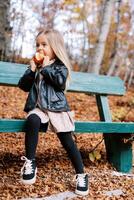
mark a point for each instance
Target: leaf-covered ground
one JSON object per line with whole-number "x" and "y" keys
{"x": 55, "y": 172}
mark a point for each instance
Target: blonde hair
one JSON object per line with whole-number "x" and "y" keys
{"x": 56, "y": 42}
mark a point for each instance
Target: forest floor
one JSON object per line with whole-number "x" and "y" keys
{"x": 55, "y": 172}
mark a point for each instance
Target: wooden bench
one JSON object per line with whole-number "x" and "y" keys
{"x": 119, "y": 154}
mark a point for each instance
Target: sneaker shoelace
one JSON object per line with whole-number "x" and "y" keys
{"x": 27, "y": 167}
{"x": 80, "y": 180}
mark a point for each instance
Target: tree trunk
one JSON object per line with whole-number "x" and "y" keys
{"x": 113, "y": 65}
{"x": 100, "y": 48}
{"x": 5, "y": 30}
{"x": 129, "y": 75}
{"x": 131, "y": 2}
{"x": 114, "y": 57}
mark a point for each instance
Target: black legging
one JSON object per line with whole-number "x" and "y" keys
{"x": 33, "y": 125}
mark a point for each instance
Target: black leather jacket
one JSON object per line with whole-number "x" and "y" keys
{"x": 52, "y": 88}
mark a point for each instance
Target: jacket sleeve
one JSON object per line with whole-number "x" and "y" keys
{"x": 26, "y": 81}
{"x": 55, "y": 76}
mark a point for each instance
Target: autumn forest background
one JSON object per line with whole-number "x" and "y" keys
{"x": 99, "y": 37}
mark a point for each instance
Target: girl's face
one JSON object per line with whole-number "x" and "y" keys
{"x": 43, "y": 45}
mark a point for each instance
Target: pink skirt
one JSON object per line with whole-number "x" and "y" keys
{"x": 58, "y": 121}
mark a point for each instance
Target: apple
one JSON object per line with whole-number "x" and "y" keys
{"x": 39, "y": 57}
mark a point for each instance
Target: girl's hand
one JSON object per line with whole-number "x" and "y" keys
{"x": 46, "y": 61}
{"x": 33, "y": 65}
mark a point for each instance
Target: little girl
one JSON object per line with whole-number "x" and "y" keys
{"x": 47, "y": 105}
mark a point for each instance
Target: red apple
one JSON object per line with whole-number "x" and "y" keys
{"x": 39, "y": 57}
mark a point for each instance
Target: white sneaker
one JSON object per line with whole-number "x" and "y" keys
{"x": 82, "y": 184}
{"x": 28, "y": 171}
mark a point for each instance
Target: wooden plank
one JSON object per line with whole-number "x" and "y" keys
{"x": 96, "y": 84}
{"x": 80, "y": 82}
{"x": 118, "y": 153}
{"x": 10, "y": 73}
{"x": 104, "y": 127}
{"x": 105, "y": 115}
{"x": 12, "y": 125}
{"x": 103, "y": 108}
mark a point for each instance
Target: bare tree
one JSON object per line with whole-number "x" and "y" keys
{"x": 114, "y": 55}
{"x": 18, "y": 21}
{"x": 129, "y": 73}
{"x": 47, "y": 12}
{"x": 5, "y": 30}
{"x": 100, "y": 47}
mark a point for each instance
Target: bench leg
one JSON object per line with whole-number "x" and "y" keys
{"x": 119, "y": 154}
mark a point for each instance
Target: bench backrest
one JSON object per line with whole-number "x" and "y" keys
{"x": 10, "y": 74}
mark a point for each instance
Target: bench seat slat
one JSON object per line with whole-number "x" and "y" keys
{"x": 10, "y": 74}
{"x": 11, "y": 125}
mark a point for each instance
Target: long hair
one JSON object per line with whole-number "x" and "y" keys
{"x": 56, "y": 42}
